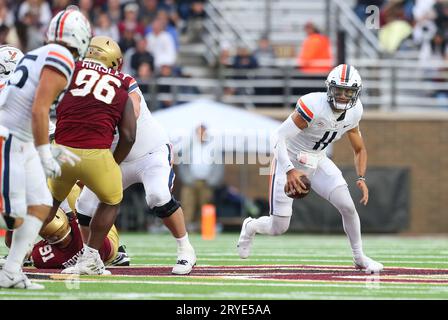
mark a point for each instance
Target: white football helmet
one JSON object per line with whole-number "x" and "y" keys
{"x": 343, "y": 87}
{"x": 9, "y": 58}
{"x": 72, "y": 29}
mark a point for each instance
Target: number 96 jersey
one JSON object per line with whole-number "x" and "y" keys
{"x": 92, "y": 106}
{"x": 16, "y": 99}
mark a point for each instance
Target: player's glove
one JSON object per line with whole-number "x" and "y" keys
{"x": 53, "y": 156}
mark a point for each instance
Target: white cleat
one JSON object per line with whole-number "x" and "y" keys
{"x": 245, "y": 241}
{"x": 90, "y": 264}
{"x": 185, "y": 263}
{"x": 17, "y": 281}
{"x": 368, "y": 265}
{"x": 2, "y": 261}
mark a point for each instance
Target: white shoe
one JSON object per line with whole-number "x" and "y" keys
{"x": 17, "y": 281}
{"x": 2, "y": 261}
{"x": 89, "y": 263}
{"x": 245, "y": 241}
{"x": 368, "y": 265}
{"x": 185, "y": 262}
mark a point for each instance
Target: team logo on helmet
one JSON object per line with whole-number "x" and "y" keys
{"x": 9, "y": 58}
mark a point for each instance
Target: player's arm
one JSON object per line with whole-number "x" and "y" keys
{"x": 135, "y": 97}
{"x": 126, "y": 129}
{"x": 51, "y": 84}
{"x": 289, "y": 128}
{"x": 360, "y": 151}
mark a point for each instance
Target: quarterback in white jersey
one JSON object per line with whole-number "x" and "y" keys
{"x": 149, "y": 162}
{"x": 39, "y": 79}
{"x": 319, "y": 119}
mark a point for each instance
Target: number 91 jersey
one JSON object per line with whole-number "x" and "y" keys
{"x": 92, "y": 106}
{"x": 16, "y": 100}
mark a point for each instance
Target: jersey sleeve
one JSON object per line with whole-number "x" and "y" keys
{"x": 133, "y": 86}
{"x": 305, "y": 108}
{"x": 61, "y": 59}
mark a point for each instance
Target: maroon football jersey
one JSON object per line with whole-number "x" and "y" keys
{"x": 92, "y": 106}
{"x": 47, "y": 256}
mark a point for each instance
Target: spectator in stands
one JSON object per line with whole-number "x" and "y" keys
{"x": 127, "y": 40}
{"x": 199, "y": 175}
{"x": 264, "y": 54}
{"x": 39, "y": 9}
{"x": 114, "y": 12}
{"x": 194, "y": 19}
{"x": 441, "y": 19}
{"x": 161, "y": 45}
{"x": 130, "y": 21}
{"x": 135, "y": 57}
{"x": 149, "y": 11}
{"x": 144, "y": 77}
{"x": 104, "y": 27}
{"x": 30, "y": 31}
{"x": 167, "y": 26}
{"x": 396, "y": 28}
{"x": 6, "y": 15}
{"x": 87, "y": 9}
{"x": 315, "y": 55}
{"x": 244, "y": 59}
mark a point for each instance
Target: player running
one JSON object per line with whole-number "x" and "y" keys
{"x": 319, "y": 119}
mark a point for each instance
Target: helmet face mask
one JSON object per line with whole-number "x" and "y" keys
{"x": 343, "y": 87}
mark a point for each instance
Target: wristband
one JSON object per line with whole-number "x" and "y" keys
{"x": 361, "y": 178}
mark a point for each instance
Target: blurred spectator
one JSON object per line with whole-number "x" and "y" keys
{"x": 199, "y": 175}
{"x": 130, "y": 21}
{"x": 423, "y": 10}
{"x": 244, "y": 59}
{"x": 6, "y": 15}
{"x": 167, "y": 26}
{"x": 441, "y": 19}
{"x": 135, "y": 57}
{"x": 194, "y": 20}
{"x": 104, "y": 27}
{"x": 39, "y": 9}
{"x": 264, "y": 54}
{"x": 59, "y": 5}
{"x": 29, "y": 30}
{"x": 161, "y": 45}
{"x": 315, "y": 55}
{"x": 165, "y": 71}
{"x": 127, "y": 40}
{"x": 396, "y": 29}
{"x": 114, "y": 11}
{"x": 144, "y": 76}
{"x": 86, "y": 7}
{"x": 149, "y": 11}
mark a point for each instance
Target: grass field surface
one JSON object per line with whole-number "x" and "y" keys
{"x": 288, "y": 267}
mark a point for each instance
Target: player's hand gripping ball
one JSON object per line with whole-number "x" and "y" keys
{"x": 296, "y": 195}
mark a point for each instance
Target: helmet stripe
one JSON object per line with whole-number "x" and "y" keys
{"x": 347, "y": 75}
{"x": 57, "y": 25}
{"x": 61, "y": 29}
{"x": 344, "y": 68}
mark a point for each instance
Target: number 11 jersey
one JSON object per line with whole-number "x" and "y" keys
{"x": 92, "y": 106}
{"x": 16, "y": 99}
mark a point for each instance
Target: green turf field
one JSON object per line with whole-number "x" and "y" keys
{"x": 285, "y": 267}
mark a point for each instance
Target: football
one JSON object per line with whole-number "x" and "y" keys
{"x": 295, "y": 195}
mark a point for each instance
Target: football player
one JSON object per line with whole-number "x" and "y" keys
{"x": 319, "y": 119}
{"x": 38, "y": 81}
{"x": 149, "y": 162}
{"x": 62, "y": 243}
{"x": 95, "y": 104}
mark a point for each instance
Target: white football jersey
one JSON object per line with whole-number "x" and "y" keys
{"x": 324, "y": 126}
{"x": 16, "y": 100}
{"x": 150, "y": 134}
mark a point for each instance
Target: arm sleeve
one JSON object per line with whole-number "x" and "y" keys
{"x": 286, "y": 130}
{"x": 62, "y": 61}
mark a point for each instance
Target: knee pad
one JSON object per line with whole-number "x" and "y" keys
{"x": 83, "y": 220}
{"x": 167, "y": 209}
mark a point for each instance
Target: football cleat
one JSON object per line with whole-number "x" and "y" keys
{"x": 17, "y": 281}
{"x": 245, "y": 241}
{"x": 186, "y": 260}
{"x": 89, "y": 263}
{"x": 26, "y": 263}
{"x": 368, "y": 265}
{"x": 122, "y": 259}
{"x": 3, "y": 261}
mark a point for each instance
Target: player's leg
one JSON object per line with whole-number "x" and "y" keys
{"x": 329, "y": 183}
{"x": 158, "y": 178}
{"x": 24, "y": 184}
{"x": 280, "y": 211}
